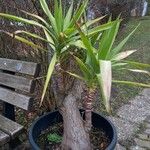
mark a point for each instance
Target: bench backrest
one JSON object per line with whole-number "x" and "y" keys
{"x": 17, "y": 82}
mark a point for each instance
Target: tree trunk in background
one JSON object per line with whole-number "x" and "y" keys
{"x": 127, "y": 8}
{"x": 139, "y": 8}
{"x": 75, "y": 137}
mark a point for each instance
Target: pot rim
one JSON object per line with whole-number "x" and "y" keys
{"x": 36, "y": 147}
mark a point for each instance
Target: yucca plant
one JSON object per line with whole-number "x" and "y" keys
{"x": 62, "y": 31}
{"x": 59, "y": 29}
{"x": 99, "y": 64}
{"x": 61, "y": 34}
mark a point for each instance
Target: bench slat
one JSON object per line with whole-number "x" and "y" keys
{"x": 4, "y": 138}
{"x": 15, "y": 76}
{"x": 17, "y": 82}
{"x": 24, "y": 67}
{"x": 10, "y": 127}
{"x": 19, "y": 100}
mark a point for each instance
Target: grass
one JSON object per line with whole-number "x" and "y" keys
{"x": 141, "y": 42}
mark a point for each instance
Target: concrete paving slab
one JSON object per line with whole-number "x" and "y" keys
{"x": 143, "y": 143}
{"x": 137, "y": 148}
{"x": 124, "y": 128}
{"x": 119, "y": 147}
{"x": 138, "y": 109}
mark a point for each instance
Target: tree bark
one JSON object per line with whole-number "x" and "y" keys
{"x": 75, "y": 137}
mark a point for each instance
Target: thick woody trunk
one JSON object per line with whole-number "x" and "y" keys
{"x": 75, "y": 137}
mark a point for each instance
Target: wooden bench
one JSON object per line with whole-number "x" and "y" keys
{"x": 17, "y": 82}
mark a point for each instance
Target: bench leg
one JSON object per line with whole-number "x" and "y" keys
{"x": 9, "y": 111}
{"x": 13, "y": 144}
{"x": 5, "y": 147}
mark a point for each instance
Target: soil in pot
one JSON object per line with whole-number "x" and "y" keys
{"x": 50, "y": 139}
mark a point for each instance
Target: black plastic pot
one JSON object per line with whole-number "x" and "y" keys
{"x": 98, "y": 121}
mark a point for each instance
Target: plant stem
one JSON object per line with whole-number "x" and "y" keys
{"x": 88, "y": 105}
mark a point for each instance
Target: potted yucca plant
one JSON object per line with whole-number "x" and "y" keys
{"x": 71, "y": 36}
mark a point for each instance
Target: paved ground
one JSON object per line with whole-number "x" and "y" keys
{"x": 133, "y": 123}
